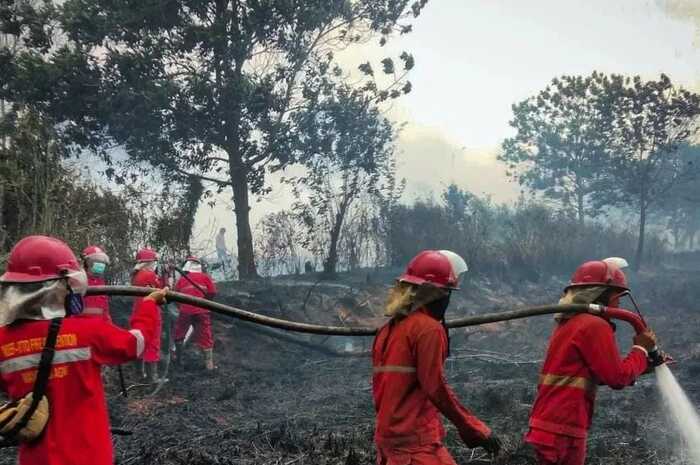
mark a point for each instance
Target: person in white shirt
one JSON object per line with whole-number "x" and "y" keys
{"x": 221, "y": 249}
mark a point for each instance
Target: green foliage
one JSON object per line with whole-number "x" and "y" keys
{"x": 603, "y": 141}
{"x": 41, "y": 194}
{"x": 172, "y": 229}
{"x": 277, "y": 244}
{"x": 528, "y": 239}
{"x": 651, "y": 120}
{"x": 560, "y": 144}
{"x": 196, "y": 88}
{"x": 680, "y": 209}
{"x": 347, "y": 148}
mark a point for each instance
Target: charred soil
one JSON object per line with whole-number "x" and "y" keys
{"x": 307, "y": 399}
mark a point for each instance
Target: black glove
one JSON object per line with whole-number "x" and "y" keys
{"x": 492, "y": 444}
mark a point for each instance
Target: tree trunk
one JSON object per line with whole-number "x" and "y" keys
{"x": 241, "y": 202}
{"x": 677, "y": 236}
{"x": 639, "y": 257}
{"x": 691, "y": 240}
{"x": 2, "y": 217}
{"x": 331, "y": 263}
{"x": 580, "y": 207}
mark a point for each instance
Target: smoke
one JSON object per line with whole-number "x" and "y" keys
{"x": 684, "y": 10}
{"x": 681, "y": 410}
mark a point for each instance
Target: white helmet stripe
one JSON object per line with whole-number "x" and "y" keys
{"x": 618, "y": 262}
{"x": 459, "y": 266}
{"x": 98, "y": 257}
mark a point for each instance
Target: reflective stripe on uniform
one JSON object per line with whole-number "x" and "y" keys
{"x": 26, "y": 362}
{"x": 93, "y": 311}
{"x": 394, "y": 369}
{"x": 140, "y": 343}
{"x": 567, "y": 381}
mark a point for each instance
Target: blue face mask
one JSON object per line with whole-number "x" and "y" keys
{"x": 74, "y": 303}
{"x": 98, "y": 268}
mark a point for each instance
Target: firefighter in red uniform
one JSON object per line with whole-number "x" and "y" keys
{"x": 409, "y": 386}
{"x": 95, "y": 262}
{"x": 144, "y": 275}
{"x": 44, "y": 281}
{"x": 582, "y": 353}
{"x": 195, "y": 283}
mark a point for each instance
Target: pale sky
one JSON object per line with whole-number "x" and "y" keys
{"x": 475, "y": 58}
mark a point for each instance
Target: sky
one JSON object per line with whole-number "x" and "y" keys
{"x": 475, "y": 58}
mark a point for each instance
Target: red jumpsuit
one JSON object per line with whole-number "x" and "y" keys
{"x": 77, "y": 432}
{"x": 97, "y": 305}
{"x": 582, "y": 353}
{"x": 410, "y": 391}
{"x": 196, "y": 317}
{"x": 148, "y": 278}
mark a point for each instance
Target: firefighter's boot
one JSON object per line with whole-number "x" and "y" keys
{"x": 180, "y": 354}
{"x": 152, "y": 372}
{"x": 209, "y": 359}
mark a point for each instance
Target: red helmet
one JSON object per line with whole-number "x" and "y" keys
{"x": 93, "y": 252}
{"x": 39, "y": 258}
{"x": 146, "y": 255}
{"x": 606, "y": 272}
{"x": 440, "y": 268}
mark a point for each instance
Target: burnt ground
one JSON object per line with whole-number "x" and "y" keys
{"x": 274, "y": 401}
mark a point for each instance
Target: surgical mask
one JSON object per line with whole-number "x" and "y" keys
{"x": 74, "y": 303}
{"x": 98, "y": 268}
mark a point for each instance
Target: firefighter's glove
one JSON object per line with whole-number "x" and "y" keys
{"x": 158, "y": 296}
{"x": 12, "y": 412}
{"x": 491, "y": 444}
{"x": 647, "y": 339}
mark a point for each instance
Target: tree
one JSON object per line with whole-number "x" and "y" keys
{"x": 651, "y": 120}
{"x": 43, "y": 194}
{"x": 199, "y": 88}
{"x": 172, "y": 229}
{"x": 681, "y": 207}
{"x": 346, "y": 146}
{"x": 277, "y": 244}
{"x": 559, "y": 146}
{"x": 469, "y": 224}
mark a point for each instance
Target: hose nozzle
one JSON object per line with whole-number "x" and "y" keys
{"x": 658, "y": 357}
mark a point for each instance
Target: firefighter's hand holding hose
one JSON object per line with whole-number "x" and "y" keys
{"x": 158, "y": 296}
{"x": 645, "y": 340}
{"x": 491, "y": 444}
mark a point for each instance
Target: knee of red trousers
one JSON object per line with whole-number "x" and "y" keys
{"x": 151, "y": 352}
{"x": 554, "y": 449}
{"x": 431, "y": 454}
{"x": 204, "y": 336}
{"x": 182, "y": 324}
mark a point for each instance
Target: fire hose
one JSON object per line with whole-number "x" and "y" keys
{"x": 287, "y": 325}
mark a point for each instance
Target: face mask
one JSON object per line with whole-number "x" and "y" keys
{"x": 439, "y": 307}
{"x": 74, "y": 303}
{"x": 98, "y": 268}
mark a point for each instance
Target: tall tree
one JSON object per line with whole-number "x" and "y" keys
{"x": 651, "y": 121}
{"x": 346, "y": 146}
{"x": 680, "y": 209}
{"x": 203, "y": 88}
{"x": 559, "y": 145}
